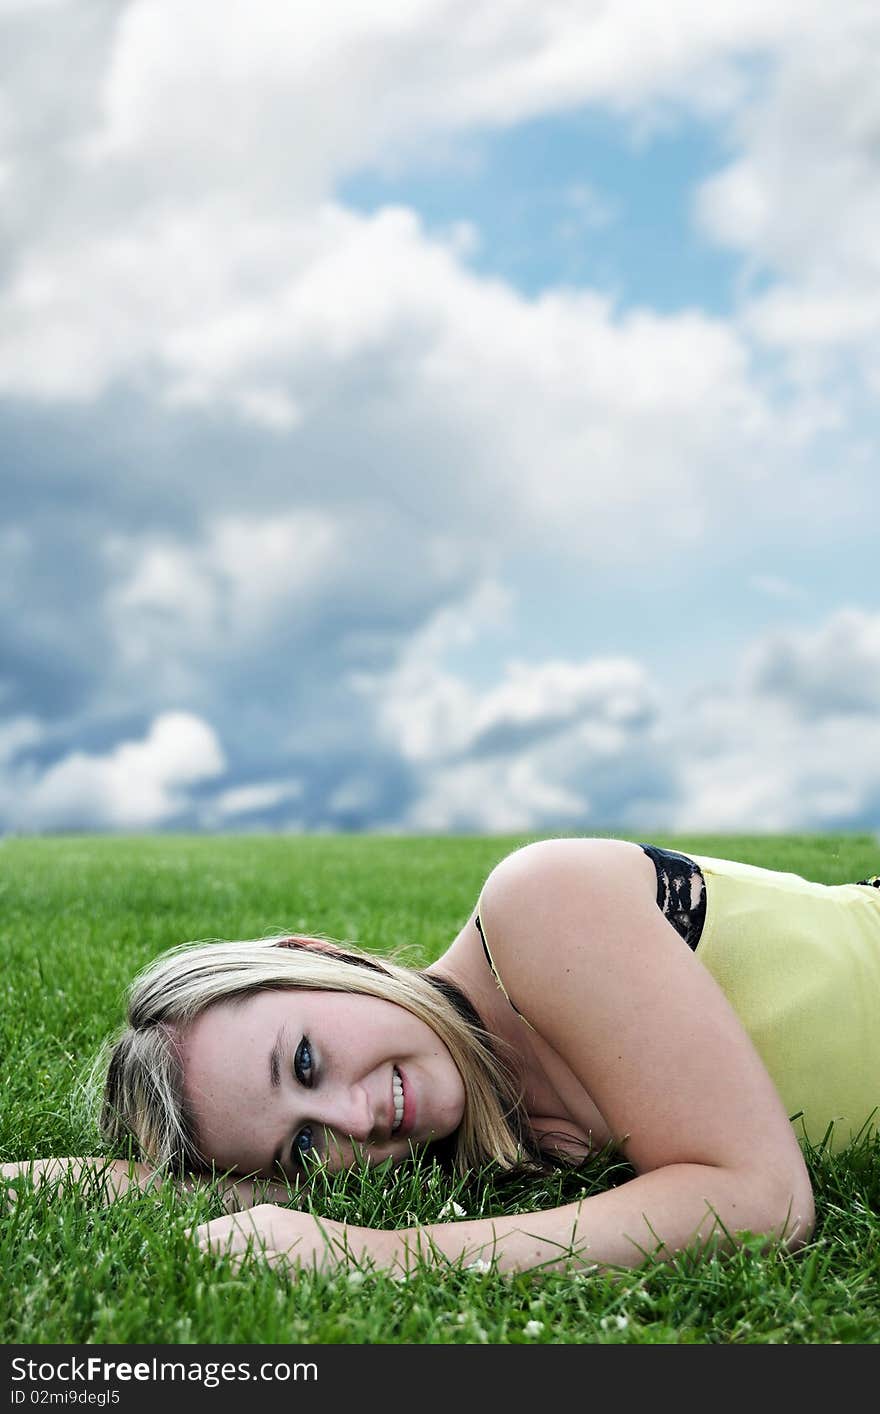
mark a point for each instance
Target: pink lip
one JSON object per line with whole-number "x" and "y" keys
{"x": 409, "y": 1109}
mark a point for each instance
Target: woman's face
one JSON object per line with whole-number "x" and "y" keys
{"x": 285, "y": 1074}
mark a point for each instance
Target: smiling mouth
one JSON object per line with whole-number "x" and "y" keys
{"x": 397, "y": 1095}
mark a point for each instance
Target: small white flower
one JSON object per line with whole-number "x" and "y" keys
{"x": 479, "y": 1266}
{"x": 620, "y": 1322}
{"x": 355, "y": 1277}
{"x": 450, "y": 1210}
{"x": 532, "y": 1328}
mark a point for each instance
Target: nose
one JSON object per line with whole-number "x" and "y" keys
{"x": 349, "y": 1114}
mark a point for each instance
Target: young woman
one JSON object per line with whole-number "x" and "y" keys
{"x": 696, "y": 1014}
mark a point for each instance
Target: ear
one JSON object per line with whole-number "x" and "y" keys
{"x": 328, "y": 949}
{"x": 311, "y": 945}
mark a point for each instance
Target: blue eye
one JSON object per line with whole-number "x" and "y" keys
{"x": 302, "y": 1146}
{"x": 303, "y": 1068}
{"x": 302, "y": 1062}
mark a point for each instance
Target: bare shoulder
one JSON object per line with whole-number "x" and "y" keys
{"x": 557, "y": 899}
{"x": 571, "y": 865}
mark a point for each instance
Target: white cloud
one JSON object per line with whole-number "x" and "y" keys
{"x": 270, "y": 407}
{"x": 356, "y": 795}
{"x": 376, "y": 82}
{"x": 831, "y": 669}
{"x": 801, "y": 199}
{"x": 793, "y": 741}
{"x": 247, "y": 800}
{"x": 174, "y": 597}
{"x": 769, "y": 770}
{"x": 513, "y": 756}
{"x": 535, "y": 417}
{"x": 432, "y": 715}
{"x": 493, "y": 798}
{"x": 136, "y": 785}
{"x": 19, "y": 7}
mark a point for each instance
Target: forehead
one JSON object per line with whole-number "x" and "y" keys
{"x": 224, "y": 1034}
{"x": 237, "y": 1017}
{"x": 231, "y": 1029}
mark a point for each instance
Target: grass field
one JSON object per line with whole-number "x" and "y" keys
{"x": 80, "y": 915}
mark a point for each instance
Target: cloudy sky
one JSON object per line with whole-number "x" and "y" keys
{"x": 439, "y": 415}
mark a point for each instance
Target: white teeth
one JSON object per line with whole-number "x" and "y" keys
{"x": 397, "y": 1093}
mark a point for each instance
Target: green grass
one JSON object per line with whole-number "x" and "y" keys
{"x": 81, "y": 914}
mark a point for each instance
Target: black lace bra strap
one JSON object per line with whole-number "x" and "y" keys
{"x": 681, "y": 892}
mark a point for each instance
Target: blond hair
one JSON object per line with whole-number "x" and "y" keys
{"x": 143, "y": 1099}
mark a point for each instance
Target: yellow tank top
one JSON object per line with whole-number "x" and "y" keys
{"x": 800, "y": 964}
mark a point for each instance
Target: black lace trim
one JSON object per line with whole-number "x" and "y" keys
{"x": 681, "y": 892}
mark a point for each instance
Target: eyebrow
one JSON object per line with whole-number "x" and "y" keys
{"x": 275, "y": 1077}
{"x": 275, "y": 1059}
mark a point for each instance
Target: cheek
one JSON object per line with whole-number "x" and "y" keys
{"x": 453, "y": 1094}
{"x": 456, "y": 1084}
{"x": 243, "y": 1151}
{"x": 231, "y": 1128}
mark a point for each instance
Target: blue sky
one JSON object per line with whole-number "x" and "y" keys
{"x": 420, "y": 421}
{"x": 576, "y": 199}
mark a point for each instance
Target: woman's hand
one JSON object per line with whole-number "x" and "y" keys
{"x": 284, "y": 1236}
{"x": 239, "y": 1193}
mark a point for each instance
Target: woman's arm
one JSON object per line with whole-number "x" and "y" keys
{"x": 608, "y": 983}
{"x": 117, "y": 1176}
{"x": 618, "y": 1228}
{"x": 654, "y": 1216}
